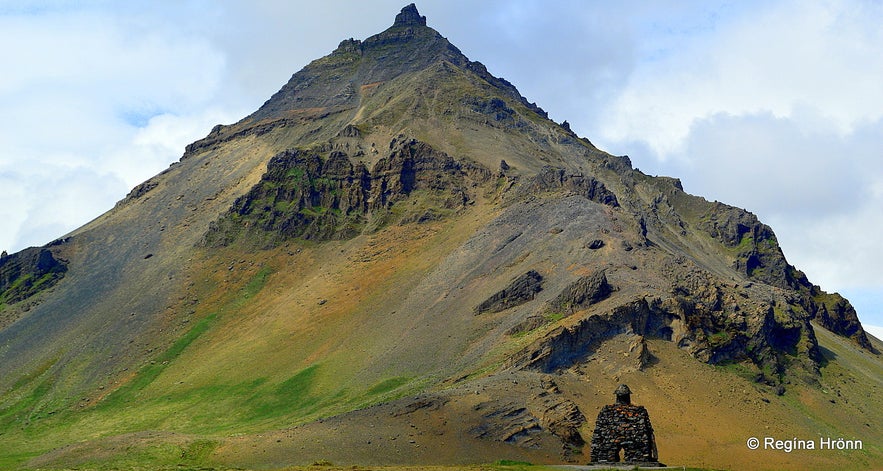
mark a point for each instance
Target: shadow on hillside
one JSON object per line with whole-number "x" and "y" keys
{"x": 826, "y": 356}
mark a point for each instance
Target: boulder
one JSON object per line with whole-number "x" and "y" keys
{"x": 520, "y": 291}
{"x": 582, "y": 293}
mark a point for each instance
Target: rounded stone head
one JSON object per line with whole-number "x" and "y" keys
{"x": 623, "y": 394}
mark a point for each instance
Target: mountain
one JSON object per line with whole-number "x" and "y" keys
{"x": 399, "y": 259}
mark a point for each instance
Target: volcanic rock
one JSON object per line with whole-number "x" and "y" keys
{"x": 520, "y": 291}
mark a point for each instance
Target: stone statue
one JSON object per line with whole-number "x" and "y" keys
{"x": 622, "y": 426}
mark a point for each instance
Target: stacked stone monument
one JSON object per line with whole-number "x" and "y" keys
{"x": 624, "y": 427}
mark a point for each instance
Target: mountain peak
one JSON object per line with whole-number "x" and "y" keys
{"x": 409, "y": 16}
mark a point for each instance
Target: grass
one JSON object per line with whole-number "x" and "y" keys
{"x": 209, "y": 405}
{"x": 31, "y": 422}
{"x": 255, "y": 284}
{"x": 388, "y": 385}
{"x": 740, "y": 369}
{"x": 199, "y": 451}
{"x": 28, "y": 408}
{"x": 294, "y": 395}
{"x": 555, "y": 316}
{"x": 719, "y": 338}
{"x": 129, "y": 391}
{"x": 500, "y": 465}
{"x": 512, "y": 463}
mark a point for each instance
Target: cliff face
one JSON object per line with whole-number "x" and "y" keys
{"x": 398, "y": 238}
{"x": 25, "y": 274}
{"x": 322, "y": 195}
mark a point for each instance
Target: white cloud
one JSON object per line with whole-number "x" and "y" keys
{"x": 161, "y": 141}
{"x": 12, "y": 209}
{"x": 567, "y": 56}
{"x": 875, "y": 330}
{"x": 66, "y": 199}
{"x": 782, "y": 168}
{"x": 92, "y": 105}
{"x": 783, "y": 59}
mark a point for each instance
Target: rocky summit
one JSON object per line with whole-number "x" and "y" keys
{"x": 400, "y": 260}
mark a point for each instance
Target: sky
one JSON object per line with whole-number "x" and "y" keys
{"x": 772, "y": 106}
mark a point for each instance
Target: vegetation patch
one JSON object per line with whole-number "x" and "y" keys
{"x": 745, "y": 370}
{"x": 256, "y": 283}
{"x": 150, "y": 372}
{"x": 225, "y": 396}
{"x": 512, "y": 463}
{"x": 27, "y": 408}
{"x": 718, "y": 339}
{"x": 388, "y": 385}
{"x": 198, "y": 451}
{"x": 294, "y": 395}
{"x": 554, "y": 316}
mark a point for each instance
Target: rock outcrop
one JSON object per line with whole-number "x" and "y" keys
{"x": 758, "y": 257}
{"x": 521, "y": 290}
{"x": 544, "y": 411}
{"x": 409, "y": 16}
{"x": 582, "y": 293}
{"x": 709, "y": 323}
{"x": 565, "y": 346}
{"x": 559, "y": 415}
{"x": 24, "y": 274}
{"x": 558, "y": 179}
{"x": 322, "y": 195}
